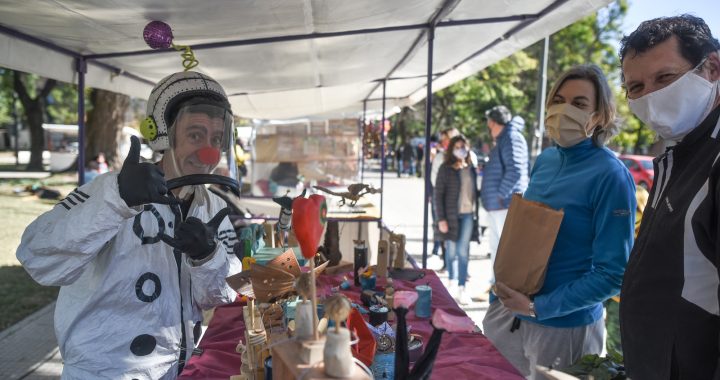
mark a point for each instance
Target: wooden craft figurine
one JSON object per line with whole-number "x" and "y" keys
{"x": 390, "y": 298}
{"x": 383, "y": 258}
{"x": 304, "y": 317}
{"x": 273, "y": 281}
{"x": 353, "y": 195}
{"x": 337, "y": 355}
{"x": 255, "y": 348}
{"x": 245, "y": 372}
{"x": 398, "y": 243}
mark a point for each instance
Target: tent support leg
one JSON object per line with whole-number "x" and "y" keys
{"x": 426, "y": 155}
{"x": 81, "y": 68}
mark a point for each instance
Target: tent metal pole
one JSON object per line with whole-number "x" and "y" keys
{"x": 81, "y": 68}
{"x": 362, "y": 143}
{"x": 299, "y": 37}
{"x": 542, "y": 93}
{"x": 382, "y": 150}
{"x": 37, "y": 41}
{"x": 426, "y": 153}
{"x": 16, "y": 125}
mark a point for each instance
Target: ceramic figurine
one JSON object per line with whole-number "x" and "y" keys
{"x": 337, "y": 355}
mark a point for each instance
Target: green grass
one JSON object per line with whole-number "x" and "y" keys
{"x": 20, "y": 295}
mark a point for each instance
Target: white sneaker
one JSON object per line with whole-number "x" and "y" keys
{"x": 453, "y": 289}
{"x": 464, "y": 296}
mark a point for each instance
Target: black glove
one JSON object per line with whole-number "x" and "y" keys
{"x": 141, "y": 183}
{"x": 196, "y": 238}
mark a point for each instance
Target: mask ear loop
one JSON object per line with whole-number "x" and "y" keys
{"x": 700, "y": 65}
{"x": 596, "y": 125}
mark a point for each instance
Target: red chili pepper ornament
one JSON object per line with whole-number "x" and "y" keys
{"x": 309, "y": 216}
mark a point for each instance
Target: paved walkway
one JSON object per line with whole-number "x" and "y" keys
{"x": 28, "y": 350}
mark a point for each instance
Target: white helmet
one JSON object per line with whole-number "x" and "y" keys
{"x": 165, "y": 99}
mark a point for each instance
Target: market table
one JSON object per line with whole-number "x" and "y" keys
{"x": 461, "y": 354}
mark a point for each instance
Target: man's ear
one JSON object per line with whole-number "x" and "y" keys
{"x": 713, "y": 65}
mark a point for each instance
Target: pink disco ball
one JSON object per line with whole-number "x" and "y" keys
{"x": 158, "y": 35}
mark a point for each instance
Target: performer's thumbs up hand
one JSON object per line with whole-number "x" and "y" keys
{"x": 196, "y": 238}
{"x": 141, "y": 183}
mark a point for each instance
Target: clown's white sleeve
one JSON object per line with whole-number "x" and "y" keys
{"x": 209, "y": 287}
{"x": 56, "y": 247}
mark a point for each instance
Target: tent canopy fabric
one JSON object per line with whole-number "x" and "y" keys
{"x": 287, "y": 58}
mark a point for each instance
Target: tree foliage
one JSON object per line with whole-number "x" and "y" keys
{"x": 514, "y": 82}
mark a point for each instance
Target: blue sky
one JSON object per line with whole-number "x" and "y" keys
{"x": 641, "y": 10}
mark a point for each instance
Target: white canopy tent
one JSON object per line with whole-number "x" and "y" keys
{"x": 280, "y": 59}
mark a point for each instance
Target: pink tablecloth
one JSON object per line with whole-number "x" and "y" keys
{"x": 461, "y": 356}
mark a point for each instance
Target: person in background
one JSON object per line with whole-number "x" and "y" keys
{"x": 409, "y": 155}
{"x": 564, "y": 320}
{"x": 455, "y": 198}
{"x": 438, "y": 240}
{"x": 419, "y": 159}
{"x": 285, "y": 177}
{"x": 505, "y": 173}
{"x": 102, "y": 163}
{"x": 669, "y": 313}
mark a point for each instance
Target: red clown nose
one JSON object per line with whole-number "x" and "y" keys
{"x": 209, "y": 156}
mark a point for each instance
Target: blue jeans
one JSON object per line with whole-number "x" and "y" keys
{"x": 459, "y": 248}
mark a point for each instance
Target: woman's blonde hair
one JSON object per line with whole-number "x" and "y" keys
{"x": 605, "y": 102}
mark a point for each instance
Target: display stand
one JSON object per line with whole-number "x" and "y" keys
{"x": 287, "y": 365}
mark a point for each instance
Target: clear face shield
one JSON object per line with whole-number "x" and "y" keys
{"x": 201, "y": 147}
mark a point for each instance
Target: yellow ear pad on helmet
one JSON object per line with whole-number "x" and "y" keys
{"x": 148, "y": 128}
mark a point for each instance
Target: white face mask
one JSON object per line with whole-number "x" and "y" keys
{"x": 567, "y": 124}
{"x": 460, "y": 153}
{"x": 677, "y": 109}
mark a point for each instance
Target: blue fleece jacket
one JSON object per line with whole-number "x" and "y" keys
{"x": 506, "y": 172}
{"x": 587, "y": 263}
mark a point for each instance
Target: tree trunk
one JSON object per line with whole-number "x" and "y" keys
{"x": 34, "y": 110}
{"x": 34, "y": 117}
{"x": 104, "y": 126}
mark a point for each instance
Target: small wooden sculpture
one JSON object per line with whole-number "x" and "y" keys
{"x": 337, "y": 309}
{"x": 255, "y": 348}
{"x": 245, "y": 373}
{"x": 302, "y": 286}
{"x": 337, "y": 355}
{"x": 390, "y": 298}
{"x": 383, "y": 258}
{"x": 398, "y": 241}
{"x": 354, "y": 193}
{"x": 270, "y": 282}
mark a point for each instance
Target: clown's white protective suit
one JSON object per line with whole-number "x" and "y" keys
{"x": 127, "y": 300}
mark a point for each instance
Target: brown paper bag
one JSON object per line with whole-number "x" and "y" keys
{"x": 527, "y": 240}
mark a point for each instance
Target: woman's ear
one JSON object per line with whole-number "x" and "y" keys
{"x": 713, "y": 65}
